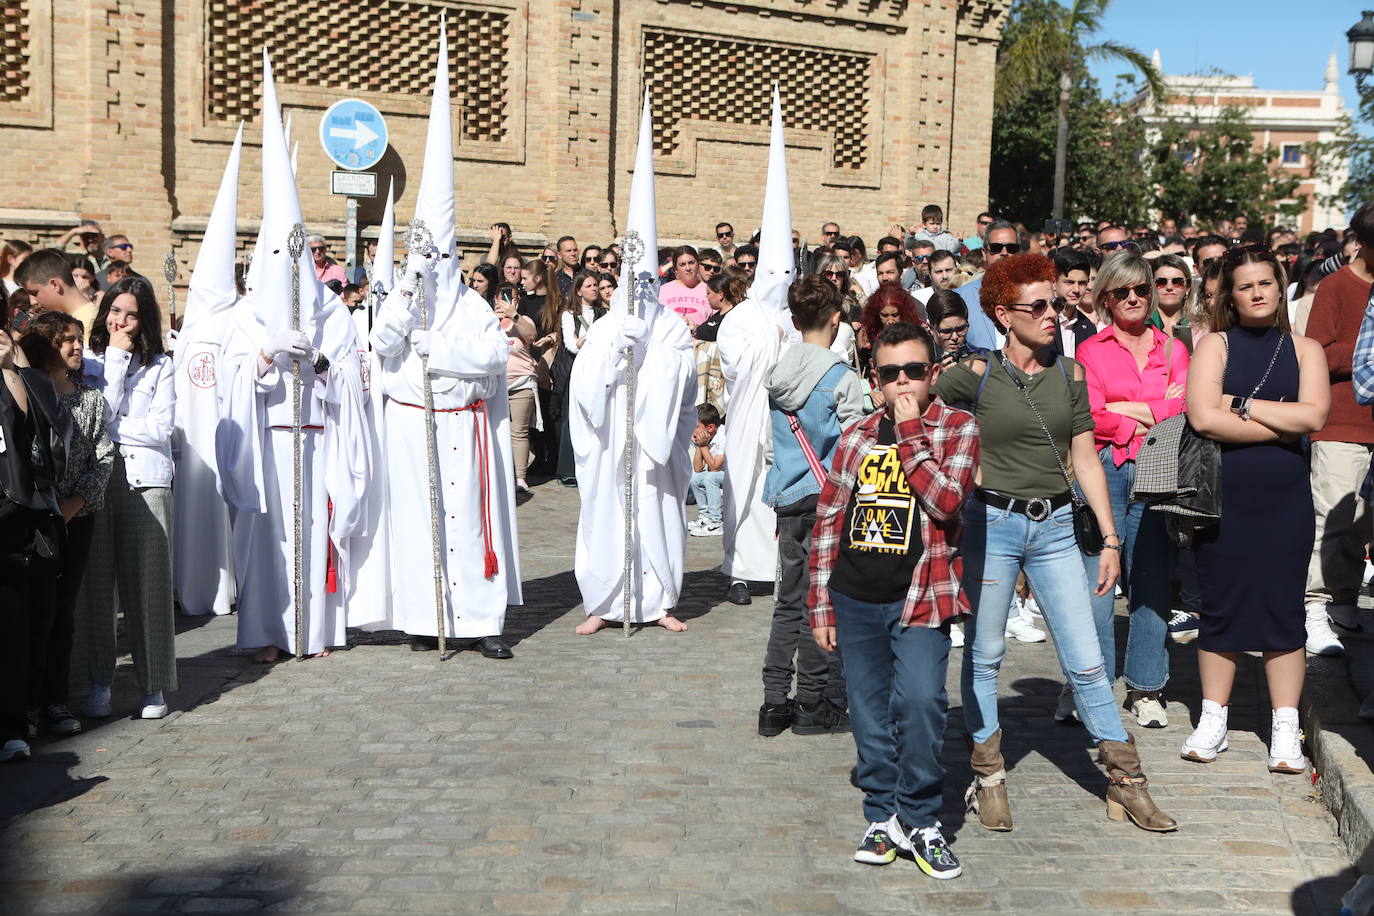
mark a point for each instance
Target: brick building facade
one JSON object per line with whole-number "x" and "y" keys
{"x": 123, "y": 110}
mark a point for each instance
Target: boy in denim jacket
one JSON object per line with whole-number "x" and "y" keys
{"x": 812, "y": 389}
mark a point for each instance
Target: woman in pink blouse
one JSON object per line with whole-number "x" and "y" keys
{"x": 1136, "y": 377}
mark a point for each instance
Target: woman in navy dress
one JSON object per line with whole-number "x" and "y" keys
{"x": 1255, "y": 387}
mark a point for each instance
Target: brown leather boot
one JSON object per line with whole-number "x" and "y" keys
{"x": 987, "y": 796}
{"x": 1127, "y": 792}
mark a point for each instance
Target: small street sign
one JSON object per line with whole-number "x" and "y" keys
{"x": 353, "y": 134}
{"x": 353, "y": 184}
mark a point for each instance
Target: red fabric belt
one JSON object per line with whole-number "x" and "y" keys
{"x": 479, "y": 432}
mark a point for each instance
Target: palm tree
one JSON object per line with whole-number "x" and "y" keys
{"x": 1050, "y": 36}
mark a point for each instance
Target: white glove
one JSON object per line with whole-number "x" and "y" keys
{"x": 287, "y": 345}
{"x": 419, "y": 341}
{"x": 632, "y": 332}
{"x": 418, "y": 267}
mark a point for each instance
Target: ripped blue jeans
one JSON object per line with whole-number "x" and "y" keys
{"x": 997, "y": 544}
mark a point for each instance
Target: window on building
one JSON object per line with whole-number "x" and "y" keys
{"x": 1292, "y": 154}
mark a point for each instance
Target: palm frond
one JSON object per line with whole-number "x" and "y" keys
{"x": 1041, "y": 47}
{"x": 1112, "y": 50}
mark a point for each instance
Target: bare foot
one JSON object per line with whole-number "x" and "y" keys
{"x": 267, "y": 655}
{"x": 671, "y": 624}
{"x": 589, "y": 626}
{"x": 324, "y": 654}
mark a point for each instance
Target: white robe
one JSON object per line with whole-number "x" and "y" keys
{"x": 368, "y": 590}
{"x": 749, "y": 343}
{"x": 467, "y": 363}
{"x": 665, "y": 415}
{"x": 254, "y": 452}
{"x": 202, "y": 546}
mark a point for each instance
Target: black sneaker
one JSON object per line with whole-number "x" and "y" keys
{"x": 775, "y": 719}
{"x": 61, "y": 721}
{"x": 819, "y": 718}
{"x": 932, "y": 854}
{"x": 877, "y": 847}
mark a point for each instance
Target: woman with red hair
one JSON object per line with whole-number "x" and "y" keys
{"x": 889, "y": 304}
{"x": 1036, "y": 430}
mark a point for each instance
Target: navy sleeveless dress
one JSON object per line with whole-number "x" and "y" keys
{"x": 1253, "y": 564}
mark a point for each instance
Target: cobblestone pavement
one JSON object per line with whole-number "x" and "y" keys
{"x": 603, "y": 774}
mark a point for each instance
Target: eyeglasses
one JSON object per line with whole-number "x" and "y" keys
{"x": 834, "y": 274}
{"x": 985, "y": 222}
{"x": 1122, "y": 293}
{"x": 914, "y": 371}
{"x": 317, "y": 250}
{"x": 1038, "y": 308}
{"x": 1113, "y": 246}
{"x": 830, "y": 232}
{"x": 550, "y": 258}
{"x": 724, "y": 235}
{"x": 707, "y": 265}
{"x": 747, "y": 265}
{"x": 610, "y": 263}
{"x": 1166, "y": 282}
{"x": 124, "y": 246}
{"x": 950, "y": 332}
{"x": 999, "y": 247}
{"x": 920, "y": 258}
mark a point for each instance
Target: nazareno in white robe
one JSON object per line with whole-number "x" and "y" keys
{"x": 749, "y": 342}
{"x": 368, "y": 590}
{"x": 665, "y": 415}
{"x": 467, "y": 364}
{"x": 202, "y": 546}
{"x": 254, "y": 452}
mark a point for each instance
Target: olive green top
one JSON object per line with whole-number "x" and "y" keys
{"x": 1016, "y": 457}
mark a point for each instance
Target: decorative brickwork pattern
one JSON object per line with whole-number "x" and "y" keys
{"x": 397, "y": 62}
{"x": 725, "y": 80}
{"x": 14, "y": 50}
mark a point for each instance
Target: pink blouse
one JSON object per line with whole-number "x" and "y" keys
{"x": 1112, "y": 376}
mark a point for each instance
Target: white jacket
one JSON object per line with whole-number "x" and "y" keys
{"x": 140, "y": 406}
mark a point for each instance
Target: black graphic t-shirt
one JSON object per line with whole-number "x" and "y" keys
{"x": 881, "y": 541}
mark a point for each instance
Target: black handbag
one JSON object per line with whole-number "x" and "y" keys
{"x": 1086, "y": 529}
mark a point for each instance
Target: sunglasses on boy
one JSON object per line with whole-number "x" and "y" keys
{"x": 914, "y": 371}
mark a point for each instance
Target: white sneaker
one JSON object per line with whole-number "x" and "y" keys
{"x": 1285, "y": 743}
{"x": 1029, "y": 609}
{"x": 1209, "y": 738}
{"x": 1148, "y": 710}
{"x": 1066, "y": 710}
{"x": 1321, "y": 640}
{"x": 1022, "y": 630}
{"x": 956, "y": 636}
{"x": 704, "y": 529}
{"x": 154, "y": 706}
{"x": 16, "y": 749}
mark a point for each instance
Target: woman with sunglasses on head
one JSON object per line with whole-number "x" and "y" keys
{"x": 1136, "y": 375}
{"x": 1256, "y": 388}
{"x": 1036, "y": 429}
{"x": 131, "y": 547}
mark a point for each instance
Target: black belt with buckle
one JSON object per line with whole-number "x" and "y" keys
{"x": 1036, "y": 509}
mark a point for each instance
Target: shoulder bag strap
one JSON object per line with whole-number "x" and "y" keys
{"x": 817, "y": 469}
{"x": 1021, "y": 387}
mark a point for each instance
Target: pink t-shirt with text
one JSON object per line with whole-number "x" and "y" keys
{"x": 689, "y": 302}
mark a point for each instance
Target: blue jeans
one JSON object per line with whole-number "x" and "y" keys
{"x": 897, "y": 707}
{"x": 997, "y": 544}
{"x": 707, "y": 487}
{"x": 1145, "y": 573}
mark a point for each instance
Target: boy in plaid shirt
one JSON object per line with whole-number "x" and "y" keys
{"x": 885, "y": 590}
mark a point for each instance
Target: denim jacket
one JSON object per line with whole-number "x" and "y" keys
{"x": 826, "y": 396}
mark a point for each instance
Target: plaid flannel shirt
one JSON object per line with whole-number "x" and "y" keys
{"x": 1363, "y": 362}
{"x": 939, "y": 454}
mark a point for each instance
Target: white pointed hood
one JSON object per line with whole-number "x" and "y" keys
{"x": 435, "y": 203}
{"x": 775, "y": 270}
{"x": 281, "y": 210}
{"x": 640, "y": 276}
{"x": 212, "y": 289}
{"x": 384, "y": 262}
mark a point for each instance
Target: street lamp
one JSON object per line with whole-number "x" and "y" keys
{"x": 1361, "y": 37}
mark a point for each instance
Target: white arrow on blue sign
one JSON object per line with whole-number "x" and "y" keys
{"x": 353, "y": 134}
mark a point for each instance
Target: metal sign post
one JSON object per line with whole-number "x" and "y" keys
{"x": 354, "y": 136}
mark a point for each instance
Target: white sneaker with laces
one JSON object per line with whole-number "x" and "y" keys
{"x": 956, "y": 636}
{"x": 1321, "y": 639}
{"x": 1022, "y": 630}
{"x": 1149, "y": 711}
{"x": 1209, "y": 738}
{"x": 15, "y": 749}
{"x": 1285, "y": 743}
{"x": 1029, "y": 609}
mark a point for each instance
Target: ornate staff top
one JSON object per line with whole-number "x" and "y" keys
{"x": 418, "y": 238}
{"x": 169, "y": 266}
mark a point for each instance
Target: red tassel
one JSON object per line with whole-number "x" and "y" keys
{"x": 491, "y": 567}
{"x": 331, "y": 570}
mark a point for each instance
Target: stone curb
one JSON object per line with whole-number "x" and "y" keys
{"x": 1341, "y": 745}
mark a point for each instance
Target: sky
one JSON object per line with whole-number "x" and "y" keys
{"x": 1281, "y": 43}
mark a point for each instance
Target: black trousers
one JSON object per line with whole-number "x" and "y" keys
{"x": 53, "y": 599}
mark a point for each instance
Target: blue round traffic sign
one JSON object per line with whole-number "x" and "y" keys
{"x": 353, "y": 134}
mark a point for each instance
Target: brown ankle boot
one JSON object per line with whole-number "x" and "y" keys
{"x": 987, "y": 796}
{"x": 1127, "y": 792}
